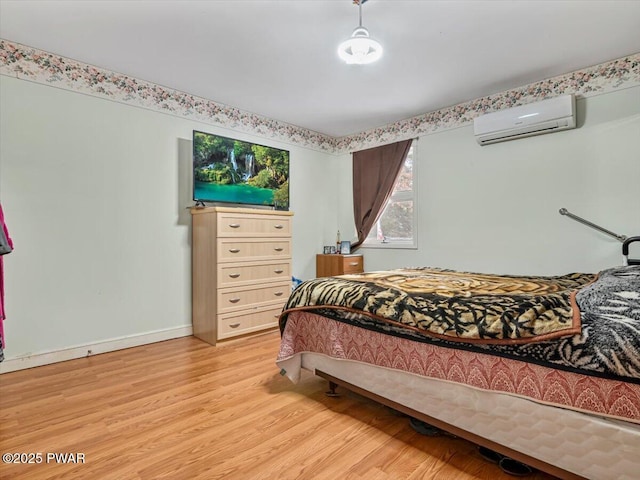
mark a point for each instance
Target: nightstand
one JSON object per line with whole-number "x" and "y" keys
{"x": 336, "y": 264}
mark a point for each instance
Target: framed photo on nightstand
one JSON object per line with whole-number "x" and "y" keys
{"x": 345, "y": 248}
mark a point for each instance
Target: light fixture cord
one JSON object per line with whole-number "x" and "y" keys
{"x": 360, "y": 11}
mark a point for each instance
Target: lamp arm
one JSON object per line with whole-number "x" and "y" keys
{"x": 564, "y": 211}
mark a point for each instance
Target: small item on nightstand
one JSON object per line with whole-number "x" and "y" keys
{"x": 338, "y": 242}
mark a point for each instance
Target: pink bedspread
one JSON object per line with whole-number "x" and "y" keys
{"x": 309, "y": 332}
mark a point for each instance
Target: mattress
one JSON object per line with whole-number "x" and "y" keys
{"x": 613, "y": 398}
{"x": 607, "y": 346}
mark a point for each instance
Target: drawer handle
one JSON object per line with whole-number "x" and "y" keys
{"x": 234, "y": 275}
{"x": 234, "y": 225}
{"x": 354, "y": 264}
{"x": 279, "y": 271}
{"x": 278, "y": 294}
{"x": 234, "y": 300}
{"x": 234, "y": 325}
{"x": 234, "y": 250}
{"x": 279, "y": 226}
{"x": 278, "y": 249}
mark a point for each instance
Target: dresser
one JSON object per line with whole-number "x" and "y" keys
{"x": 336, "y": 264}
{"x": 241, "y": 270}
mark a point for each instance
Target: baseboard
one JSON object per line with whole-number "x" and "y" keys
{"x": 45, "y": 358}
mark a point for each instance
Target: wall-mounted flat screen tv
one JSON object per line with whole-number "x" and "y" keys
{"x": 233, "y": 171}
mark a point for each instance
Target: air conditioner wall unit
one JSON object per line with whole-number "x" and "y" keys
{"x": 547, "y": 116}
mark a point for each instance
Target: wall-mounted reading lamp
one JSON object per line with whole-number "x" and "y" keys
{"x": 564, "y": 211}
{"x": 626, "y": 241}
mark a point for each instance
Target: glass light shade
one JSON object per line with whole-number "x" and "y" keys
{"x": 360, "y": 49}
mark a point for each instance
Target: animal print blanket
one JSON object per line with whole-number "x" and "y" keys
{"x": 607, "y": 346}
{"x": 457, "y": 306}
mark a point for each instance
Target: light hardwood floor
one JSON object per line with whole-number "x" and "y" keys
{"x": 182, "y": 409}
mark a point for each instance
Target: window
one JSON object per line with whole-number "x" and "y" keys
{"x": 396, "y": 227}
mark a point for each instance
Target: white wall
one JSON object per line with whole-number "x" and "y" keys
{"x": 96, "y": 197}
{"x": 495, "y": 208}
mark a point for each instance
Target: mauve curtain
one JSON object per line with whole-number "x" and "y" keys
{"x": 374, "y": 173}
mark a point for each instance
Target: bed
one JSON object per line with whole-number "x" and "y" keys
{"x": 544, "y": 370}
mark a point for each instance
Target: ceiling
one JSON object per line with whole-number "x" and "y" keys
{"x": 278, "y": 58}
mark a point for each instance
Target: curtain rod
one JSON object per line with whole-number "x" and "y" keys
{"x": 564, "y": 211}
{"x": 413, "y": 138}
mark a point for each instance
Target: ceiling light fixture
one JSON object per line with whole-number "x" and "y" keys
{"x": 360, "y": 49}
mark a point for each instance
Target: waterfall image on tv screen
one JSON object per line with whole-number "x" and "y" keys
{"x": 233, "y": 171}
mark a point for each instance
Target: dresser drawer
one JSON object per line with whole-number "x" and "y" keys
{"x": 236, "y": 250}
{"x": 352, "y": 264}
{"x": 233, "y": 324}
{"x": 233, "y": 299}
{"x": 237, "y": 274}
{"x": 249, "y": 225}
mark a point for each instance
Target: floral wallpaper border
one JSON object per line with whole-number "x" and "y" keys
{"x": 35, "y": 65}
{"x": 38, "y": 66}
{"x": 606, "y": 77}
